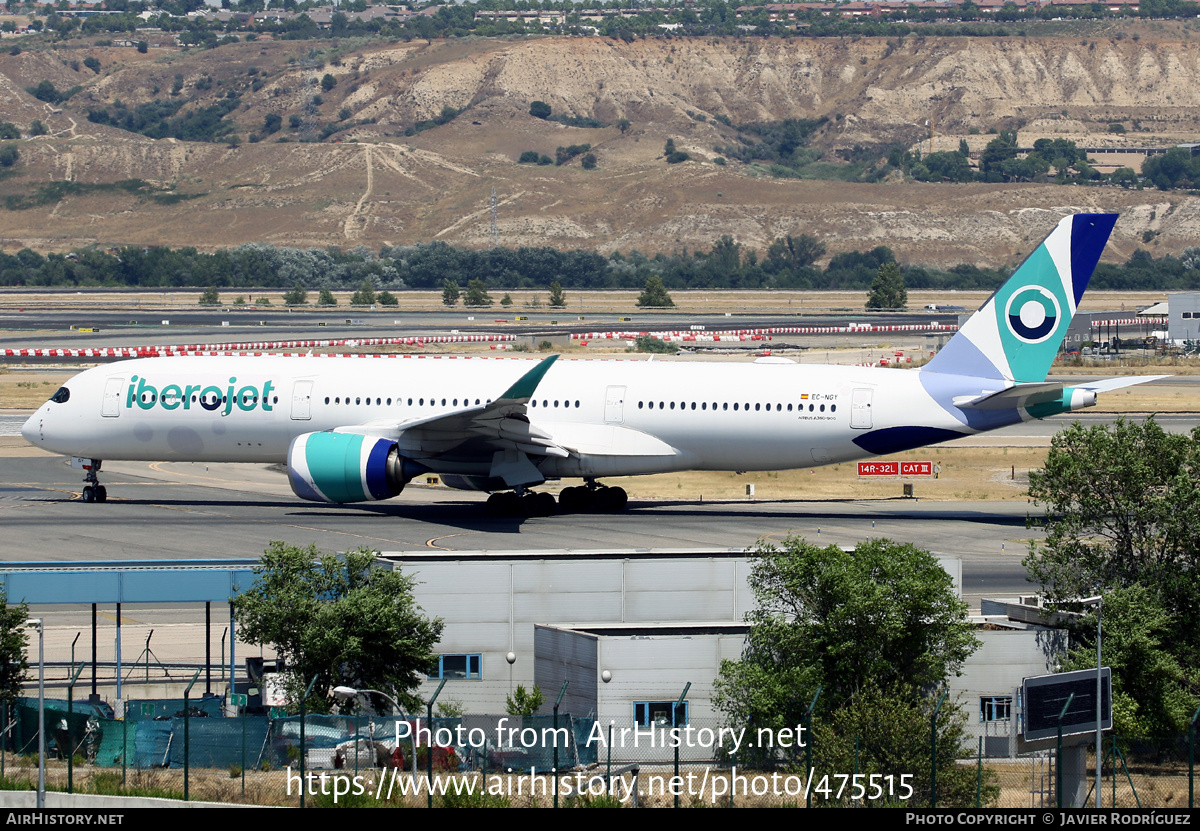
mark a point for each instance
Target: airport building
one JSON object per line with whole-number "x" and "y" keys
{"x": 1183, "y": 316}
{"x": 628, "y": 630}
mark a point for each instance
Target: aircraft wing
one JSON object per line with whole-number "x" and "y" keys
{"x": 500, "y": 434}
{"x": 502, "y": 423}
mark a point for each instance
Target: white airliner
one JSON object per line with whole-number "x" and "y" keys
{"x": 352, "y": 429}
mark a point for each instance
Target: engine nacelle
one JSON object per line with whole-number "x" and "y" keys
{"x": 347, "y": 467}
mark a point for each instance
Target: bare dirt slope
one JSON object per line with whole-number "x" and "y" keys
{"x": 370, "y": 184}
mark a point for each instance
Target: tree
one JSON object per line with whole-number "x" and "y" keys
{"x": 525, "y": 702}
{"x": 881, "y": 616}
{"x": 477, "y": 294}
{"x": 328, "y": 82}
{"x": 340, "y": 619}
{"x": 672, "y": 155}
{"x": 296, "y": 297}
{"x": 326, "y": 298}
{"x": 272, "y": 122}
{"x": 654, "y": 294}
{"x": 588, "y": 162}
{"x": 540, "y": 109}
{"x": 1122, "y": 510}
{"x": 386, "y": 298}
{"x": 365, "y": 296}
{"x": 1150, "y": 687}
{"x": 558, "y": 299}
{"x": 9, "y": 155}
{"x": 888, "y": 292}
{"x": 450, "y": 293}
{"x": 887, "y": 732}
{"x": 210, "y": 297}
{"x": 506, "y": 300}
{"x": 879, "y": 629}
{"x": 1003, "y": 148}
{"x": 13, "y": 638}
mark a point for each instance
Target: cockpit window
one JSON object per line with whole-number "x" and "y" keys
{"x": 61, "y": 396}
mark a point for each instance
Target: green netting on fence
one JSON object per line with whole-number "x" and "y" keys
{"x": 217, "y": 743}
{"x": 63, "y": 729}
{"x": 162, "y": 708}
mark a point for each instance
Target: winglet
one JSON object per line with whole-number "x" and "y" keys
{"x": 523, "y": 389}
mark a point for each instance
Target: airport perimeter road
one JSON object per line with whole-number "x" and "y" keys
{"x": 53, "y": 329}
{"x": 188, "y": 511}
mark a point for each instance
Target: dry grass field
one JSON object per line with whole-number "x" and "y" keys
{"x": 1023, "y": 784}
{"x": 578, "y": 302}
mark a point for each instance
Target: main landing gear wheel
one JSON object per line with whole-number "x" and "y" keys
{"x": 508, "y": 503}
{"x": 584, "y": 498}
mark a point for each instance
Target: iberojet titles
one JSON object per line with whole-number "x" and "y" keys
{"x": 174, "y": 396}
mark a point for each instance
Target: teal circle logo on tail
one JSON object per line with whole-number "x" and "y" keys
{"x": 1032, "y": 314}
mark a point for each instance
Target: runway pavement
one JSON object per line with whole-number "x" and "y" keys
{"x": 186, "y": 511}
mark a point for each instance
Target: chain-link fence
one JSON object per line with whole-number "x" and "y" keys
{"x": 511, "y": 760}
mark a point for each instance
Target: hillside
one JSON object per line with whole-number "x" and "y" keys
{"x": 371, "y": 184}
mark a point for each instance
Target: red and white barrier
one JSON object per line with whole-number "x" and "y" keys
{"x": 720, "y": 335}
{"x": 245, "y": 348}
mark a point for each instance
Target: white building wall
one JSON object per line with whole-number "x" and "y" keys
{"x": 491, "y": 605}
{"x": 491, "y": 608}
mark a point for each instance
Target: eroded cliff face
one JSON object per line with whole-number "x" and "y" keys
{"x": 370, "y": 184}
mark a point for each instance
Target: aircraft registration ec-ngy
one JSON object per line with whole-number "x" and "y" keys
{"x": 351, "y": 430}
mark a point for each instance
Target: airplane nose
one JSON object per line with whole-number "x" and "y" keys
{"x": 31, "y": 430}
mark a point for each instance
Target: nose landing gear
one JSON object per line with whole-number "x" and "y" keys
{"x": 93, "y": 491}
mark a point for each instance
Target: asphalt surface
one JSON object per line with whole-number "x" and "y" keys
{"x": 187, "y": 511}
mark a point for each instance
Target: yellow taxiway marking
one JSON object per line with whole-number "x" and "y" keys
{"x": 433, "y": 542}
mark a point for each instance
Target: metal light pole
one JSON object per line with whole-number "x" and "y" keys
{"x": 429, "y": 723}
{"x": 344, "y": 693}
{"x": 1098, "y": 602}
{"x": 41, "y": 791}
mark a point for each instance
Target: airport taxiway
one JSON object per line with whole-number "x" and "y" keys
{"x": 189, "y": 511}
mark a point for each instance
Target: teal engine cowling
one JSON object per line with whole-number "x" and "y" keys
{"x": 347, "y": 467}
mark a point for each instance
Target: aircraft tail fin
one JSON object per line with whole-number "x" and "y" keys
{"x": 1016, "y": 334}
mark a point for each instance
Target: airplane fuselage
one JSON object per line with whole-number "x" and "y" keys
{"x": 623, "y": 417}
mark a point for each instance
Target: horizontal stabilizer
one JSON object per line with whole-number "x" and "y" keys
{"x": 1107, "y": 384}
{"x": 1021, "y": 395}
